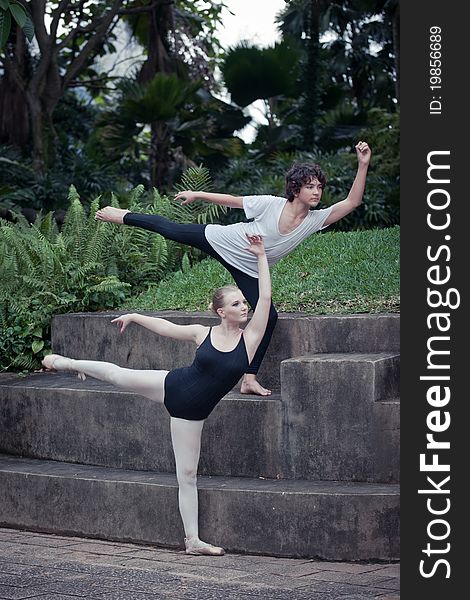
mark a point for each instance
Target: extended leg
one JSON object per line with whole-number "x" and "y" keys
{"x": 250, "y": 289}
{"x": 186, "y": 439}
{"x": 191, "y": 234}
{"x": 148, "y": 383}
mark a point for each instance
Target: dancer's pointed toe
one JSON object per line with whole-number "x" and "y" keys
{"x": 49, "y": 360}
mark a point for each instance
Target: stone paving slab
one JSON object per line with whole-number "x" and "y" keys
{"x": 374, "y": 578}
{"x": 26, "y": 580}
{"x": 37, "y": 540}
{"x": 50, "y": 567}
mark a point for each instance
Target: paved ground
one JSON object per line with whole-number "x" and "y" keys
{"x": 52, "y": 567}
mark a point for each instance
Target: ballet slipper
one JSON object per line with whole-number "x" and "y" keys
{"x": 198, "y": 547}
{"x": 48, "y": 363}
{"x": 49, "y": 360}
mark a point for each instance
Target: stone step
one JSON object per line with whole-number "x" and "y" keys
{"x": 342, "y": 416}
{"x": 331, "y": 520}
{"x": 336, "y": 420}
{"x": 92, "y": 336}
{"x": 59, "y": 417}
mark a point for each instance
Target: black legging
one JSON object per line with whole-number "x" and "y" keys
{"x": 193, "y": 235}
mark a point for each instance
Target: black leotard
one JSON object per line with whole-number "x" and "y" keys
{"x": 193, "y": 392}
{"x": 193, "y": 234}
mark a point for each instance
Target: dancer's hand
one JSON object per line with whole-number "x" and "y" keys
{"x": 186, "y": 197}
{"x": 123, "y": 321}
{"x": 363, "y": 152}
{"x": 256, "y": 246}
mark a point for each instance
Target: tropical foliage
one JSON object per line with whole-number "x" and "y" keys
{"x": 67, "y": 117}
{"x": 74, "y": 112}
{"x": 245, "y": 176}
{"x": 85, "y": 265}
{"x": 14, "y": 13}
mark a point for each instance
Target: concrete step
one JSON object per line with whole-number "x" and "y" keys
{"x": 331, "y": 520}
{"x": 92, "y": 336}
{"x": 56, "y": 416}
{"x": 342, "y": 416}
{"x": 337, "y": 419}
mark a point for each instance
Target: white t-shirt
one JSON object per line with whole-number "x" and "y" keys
{"x": 230, "y": 241}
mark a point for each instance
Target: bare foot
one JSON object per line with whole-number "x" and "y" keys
{"x": 111, "y": 214}
{"x": 250, "y": 385}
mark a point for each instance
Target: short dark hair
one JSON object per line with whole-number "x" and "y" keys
{"x": 300, "y": 174}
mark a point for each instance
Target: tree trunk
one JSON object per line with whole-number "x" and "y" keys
{"x": 158, "y": 51}
{"x": 14, "y": 121}
{"x": 37, "y": 131}
{"x": 35, "y": 92}
{"x": 310, "y": 105}
{"x": 159, "y": 156}
{"x": 356, "y": 68}
{"x": 158, "y": 61}
{"x": 396, "y": 48}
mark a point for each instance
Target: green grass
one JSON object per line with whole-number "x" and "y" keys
{"x": 334, "y": 272}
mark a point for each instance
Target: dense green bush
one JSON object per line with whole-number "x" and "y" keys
{"x": 22, "y": 187}
{"x": 44, "y": 272}
{"x": 86, "y": 266}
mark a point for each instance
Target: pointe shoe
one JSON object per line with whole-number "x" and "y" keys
{"x": 197, "y": 546}
{"x": 49, "y": 360}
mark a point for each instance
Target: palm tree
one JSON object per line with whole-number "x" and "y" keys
{"x": 355, "y": 24}
{"x": 302, "y": 19}
{"x": 170, "y": 34}
{"x": 172, "y": 122}
{"x": 251, "y": 73}
{"x": 155, "y": 104}
{"x": 177, "y": 37}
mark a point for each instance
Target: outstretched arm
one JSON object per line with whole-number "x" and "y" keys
{"x": 354, "y": 199}
{"x": 191, "y": 333}
{"x": 224, "y": 199}
{"x": 255, "y": 329}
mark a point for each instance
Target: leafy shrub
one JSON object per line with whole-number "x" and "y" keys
{"x": 86, "y": 266}
{"x": 21, "y": 186}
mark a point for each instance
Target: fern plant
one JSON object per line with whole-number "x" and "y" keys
{"x": 198, "y": 179}
{"x": 147, "y": 257}
{"x": 45, "y": 272}
{"x": 87, "y": 266}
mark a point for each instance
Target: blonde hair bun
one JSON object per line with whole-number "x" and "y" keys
{"x": 218, "y": 299}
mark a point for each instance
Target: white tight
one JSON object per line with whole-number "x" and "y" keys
{"x": 146, "y": 382}
{"x": 185, "y": 435}
{"x": 186, "y": 439}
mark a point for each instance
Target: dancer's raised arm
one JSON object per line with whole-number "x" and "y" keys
{"x": 192, "y": 333}
{"x": 354, "y": 198}
{"x": 224, "y": 199}
{"x": 256, "y": 328}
